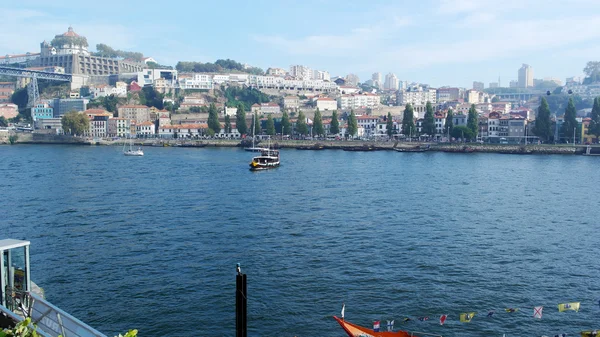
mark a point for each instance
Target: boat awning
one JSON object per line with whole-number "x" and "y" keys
{"x": 7, "y": 244}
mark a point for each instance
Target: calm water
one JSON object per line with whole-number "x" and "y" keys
{"x": 151, "y": 243}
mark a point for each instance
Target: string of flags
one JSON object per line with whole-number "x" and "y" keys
{"x": 467, "y": 317}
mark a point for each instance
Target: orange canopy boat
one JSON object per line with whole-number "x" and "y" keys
{"x": 354, "y": 330}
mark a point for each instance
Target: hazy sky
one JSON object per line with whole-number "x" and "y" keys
{"x": 440, "y": 42}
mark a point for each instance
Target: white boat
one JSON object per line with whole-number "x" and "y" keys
{"x": 254, "y": 148}
{"x": 268, "y": 159}
{"x": 131, "y": 151}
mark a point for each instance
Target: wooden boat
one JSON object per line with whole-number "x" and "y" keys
{"x": 354, "y": 330}
{"x": 412, "y": 149}
{"x": 268, "y": 159}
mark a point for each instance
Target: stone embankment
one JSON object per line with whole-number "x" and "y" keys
{"x": 34, "y": 138}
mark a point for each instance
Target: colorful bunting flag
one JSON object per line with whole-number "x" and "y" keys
{"x": 376, "y": 326}
{"x": 443, "y": 319}
{"x": 491, "y": 313}
{"x": 343, "y": 308}
{"x": 537, "y": 312}
{"x": 511, "y": 309}
{"x": 423, "y": 318}
{"x": 467, "y": 317}
{"x": 569, "y": 306}
{"x": 406, "y": 320}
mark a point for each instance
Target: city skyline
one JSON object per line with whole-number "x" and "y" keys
{"x": 454, "y": 43}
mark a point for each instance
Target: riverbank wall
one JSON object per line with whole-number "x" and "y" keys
{"x": 565, "y": 149}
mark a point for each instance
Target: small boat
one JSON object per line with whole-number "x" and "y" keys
{"x": 412, "y": 149}
{"x": 354, "y": 330}
{"x": 131, "y": 152}
{"x": 595, "y": 333}
{"x": 268, "y": 159}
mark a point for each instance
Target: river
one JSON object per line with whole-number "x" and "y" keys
{"x": 151, "y": 242}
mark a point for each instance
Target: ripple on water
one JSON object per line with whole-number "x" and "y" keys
{"x": 391, "y": 235}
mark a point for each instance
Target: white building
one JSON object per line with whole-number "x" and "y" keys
{"x": 148, "y": 76}
{"x": 525, "y": 76}
{"x": 198, "y": 81}
{"x": 326, "y": 103}
{"x": 416, "y": 96}
{"x": 102, "y": 90}
{"x": 145, "y": 129}
{"x": 276, "y": 72}
{"x": 357, "y": 101}
{"x": 301, "y": 72}
{"x": 391, "y": 82}
{"x": 291, "y": 103}
{"x": 320, "y": 75}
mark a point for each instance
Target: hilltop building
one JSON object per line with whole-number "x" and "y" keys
{"x": 70, "y": 51}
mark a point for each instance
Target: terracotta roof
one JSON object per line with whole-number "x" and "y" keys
{"x": 325, "y": 99}
{"x": 70, "y": 32}
{"x": 95, "y": 111}
{"x": 146, "y": 123}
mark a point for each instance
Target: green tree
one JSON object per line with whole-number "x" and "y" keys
{"x": 495, "y": 99}
{"x": 592, "y": 72}
{"x": 227, "y": 124}
{"x": 75, "y": 123}
{"x": 408, "y": 122}
{"x": 318, "y": 129}
{"x": 473, "y": 120}
{"x": 334, "y": 127}
{"x": 213, "y": 118}
{"x": 240, "y": 119}
{"x": 3, "y": 122}
{"x": 569, "y": 126}
{"x": 429, "y": 120}
{"x": 463, "y": 132}
{"x": 352, "y": 124}
{"x": 389, "y": 125}
{"x": 543, "y": 124}
{"x": 285, "y": 124}
{"x": 594, "y": 128}
{"x": 270, "y": 126}
{"x": 449, "y": 122}
{"x": 301, "y": 127}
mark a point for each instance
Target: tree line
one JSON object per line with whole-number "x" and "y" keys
{"x": 216, "y": 67}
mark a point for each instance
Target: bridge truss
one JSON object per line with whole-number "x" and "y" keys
{"x": 33, "y": 92}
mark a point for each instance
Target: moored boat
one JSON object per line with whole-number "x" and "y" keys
{"x": 354, "y": 330}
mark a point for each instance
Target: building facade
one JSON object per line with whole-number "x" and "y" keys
{"x": 139, "y": 113}
{"x": 326, "y": 104}
{"x": 526, "y": 76}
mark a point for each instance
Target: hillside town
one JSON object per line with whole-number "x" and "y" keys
{"x": 138, "y": 98}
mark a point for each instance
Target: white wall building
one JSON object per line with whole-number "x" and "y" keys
{"x": 327, "y": 104}
{"x": 198, "y": 81}
{"x": 119, "y": 90}
{"x": 391, "y": 82}
{"x": 416, "y": 96}
{"x": 119, "y": 127}
{"x": 356, "y": 101}
{"x": 301, "y": 72}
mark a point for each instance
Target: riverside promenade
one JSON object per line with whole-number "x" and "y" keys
{"x": 354, "y": 145}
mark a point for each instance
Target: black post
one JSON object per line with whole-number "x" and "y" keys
{"x": 241, "y": 305}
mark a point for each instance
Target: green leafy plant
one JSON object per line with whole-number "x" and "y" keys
{"x": 22, "y": 329}
{"x": 12, "y": 139}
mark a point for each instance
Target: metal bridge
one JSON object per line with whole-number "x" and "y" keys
{"x": 33, "y": 92}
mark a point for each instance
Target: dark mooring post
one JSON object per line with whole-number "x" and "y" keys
{"x": 241, "y": 304}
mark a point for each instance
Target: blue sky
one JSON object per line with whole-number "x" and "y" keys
{"x": 439, "y": 42}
